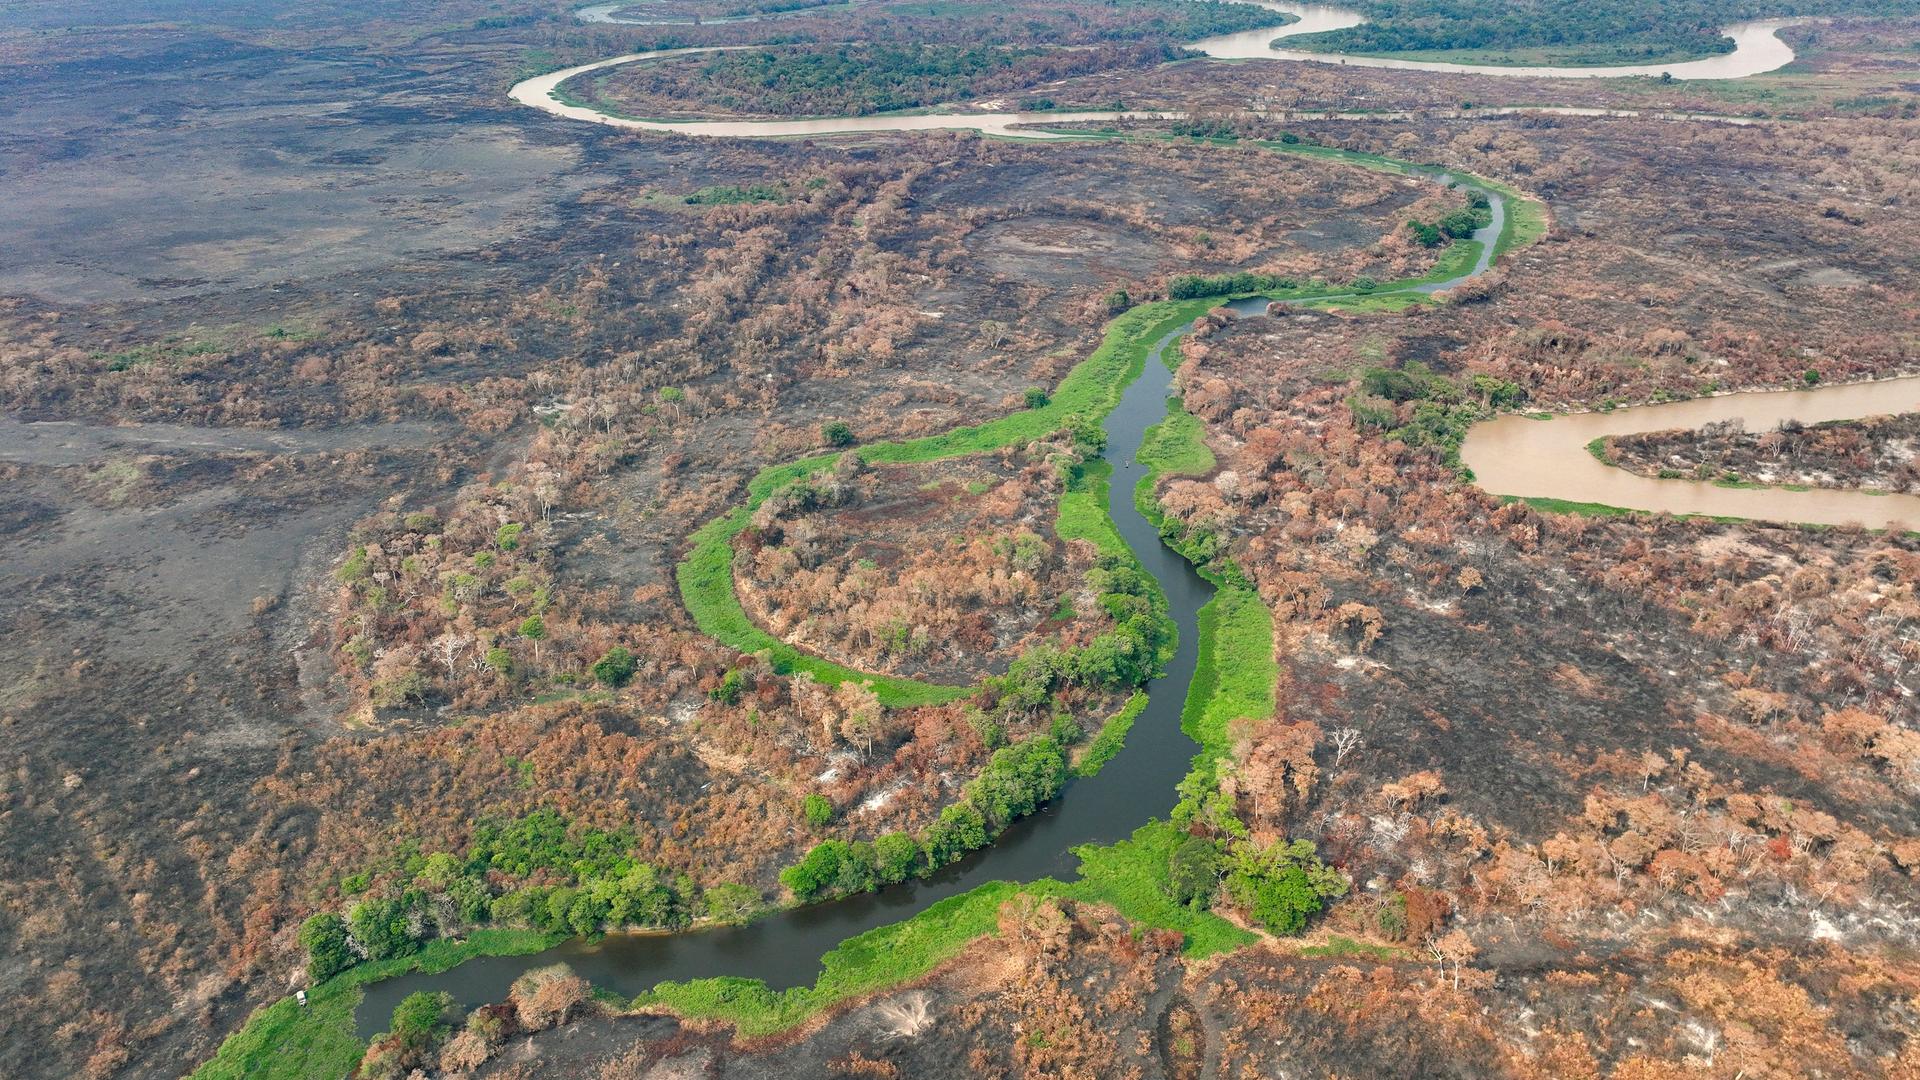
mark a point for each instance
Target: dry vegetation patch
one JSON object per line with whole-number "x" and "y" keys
{"x": 941, "y": 572}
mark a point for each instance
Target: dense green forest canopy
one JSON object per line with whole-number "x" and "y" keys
{"x": 869, "y": 78}
{"x": 1606, "y": 31}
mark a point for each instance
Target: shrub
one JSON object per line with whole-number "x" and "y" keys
{"x": 1036, "y": 398}
{"x": 328, "y": 953}
{"x": 817, "y": 871}
{"x": 1281, "y": 885}
{"x": 728, "y": 692}
{"x": 958, "y": 830}
{"x": 1193, "y": 871}
{"x": 500, "y": 662}
{"x": 896, "y": 857}
{"x": 817, "y": 810}
{"x": 422, "y": 1016}
{"x": 837, "y": 433}
{"x": 380, "y": 928}
{"x": 399, "y": 691}
{"x": 616, "y": 668}
{"x": 731, "y": 903}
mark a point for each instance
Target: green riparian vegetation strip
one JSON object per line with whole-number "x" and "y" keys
{"x": 1130, "y": 875}
{"x": 880, "y": 957}
{"x": 1112, "y": 737}
{"x": 288, "y": 1041}
{"x": 1089, "y": 391}
{"x": 1235, "y": 675}
{"x": 1083, "y": 516}
{"x": 284, "y": 1041}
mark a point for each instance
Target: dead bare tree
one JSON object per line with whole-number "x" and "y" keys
{"x": 1345, "y": 740}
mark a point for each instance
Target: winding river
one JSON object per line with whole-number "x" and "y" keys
{"x": 1135, "y": 787}
{"x": 784, "y": 949}
{"x": 1138, "y": 785}
{"x": 1757, "y": 49}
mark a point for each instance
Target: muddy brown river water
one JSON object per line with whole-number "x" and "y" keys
{"x": 1517, "y": 455}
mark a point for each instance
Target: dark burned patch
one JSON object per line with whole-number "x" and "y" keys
{"x": 23, "y": 515}
{"x": 1437, "y": 351}
{"x": 1181, "y": 1040}
{"x": 1515, "y": 696}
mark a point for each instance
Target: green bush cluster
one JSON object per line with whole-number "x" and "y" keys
{"x": 1282, "y": 885}
{"x": 1458, "y": 225}
{"x": 1442, "y": 408}
{"x": 731, "y": 194}
{"x": 1195, "y": 286}
{"x": 576, "y": 880}
{"x": 1016, "y": 781}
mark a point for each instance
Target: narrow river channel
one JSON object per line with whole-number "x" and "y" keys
{"x": 1137, "y": 786}
{"x": 784, "y": 949}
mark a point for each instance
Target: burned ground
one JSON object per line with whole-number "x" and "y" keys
{"x": 359, "y": 287}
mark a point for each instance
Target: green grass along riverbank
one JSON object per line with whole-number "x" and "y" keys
{"x": 284, "y": 1041}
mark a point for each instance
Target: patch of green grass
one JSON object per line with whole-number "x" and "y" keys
{"x": 157, "y": 353}
{"x": 731, "y": 194}
{"x": 1083, "y": 516}
{"x": 1177, "y": 445}
{"x": 1338, "y": 946}
{"x": 284, "y": 1041}
{"x": 1112, "y": 737}
{"x": 1131, "y": 876}
{"x": 1569, "y": 506}
{"x": 1235, "y": 673}
{"x": 1592, "y": 509}
{"x": 880, "y": 957}
{"x": 1598, "y": 448}
{"x": 1385, "y": 303}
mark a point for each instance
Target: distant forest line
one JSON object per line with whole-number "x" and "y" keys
{"x": 1622, "y": 28}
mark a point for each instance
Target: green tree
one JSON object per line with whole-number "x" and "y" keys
{"x": 500, "y": 662}
{"x": 508, "y": 536}
{"x": 438, "y": 871}
{"x": 837, "y": 433}
{"x": 534, "y": 629}
{"x": 896, "y": 857}
{"x": 1193, "y": 871}
{"x": 1282, "y": 885}
{"x": 380, "y": 927}
{"x": 731, "y": 903}
{"x": 328, "y": 953}
{"x": 1284, "y": 903}
{"x": 958, "y": 830}
{"x": 817, "y": 810}
{"x": 1036, "y": 398}
{"x": 422, "y": 1017}
{"x": 616, "y": 668}
{"x": 1427, "y": 235}
{"x": 816, "y": 871}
